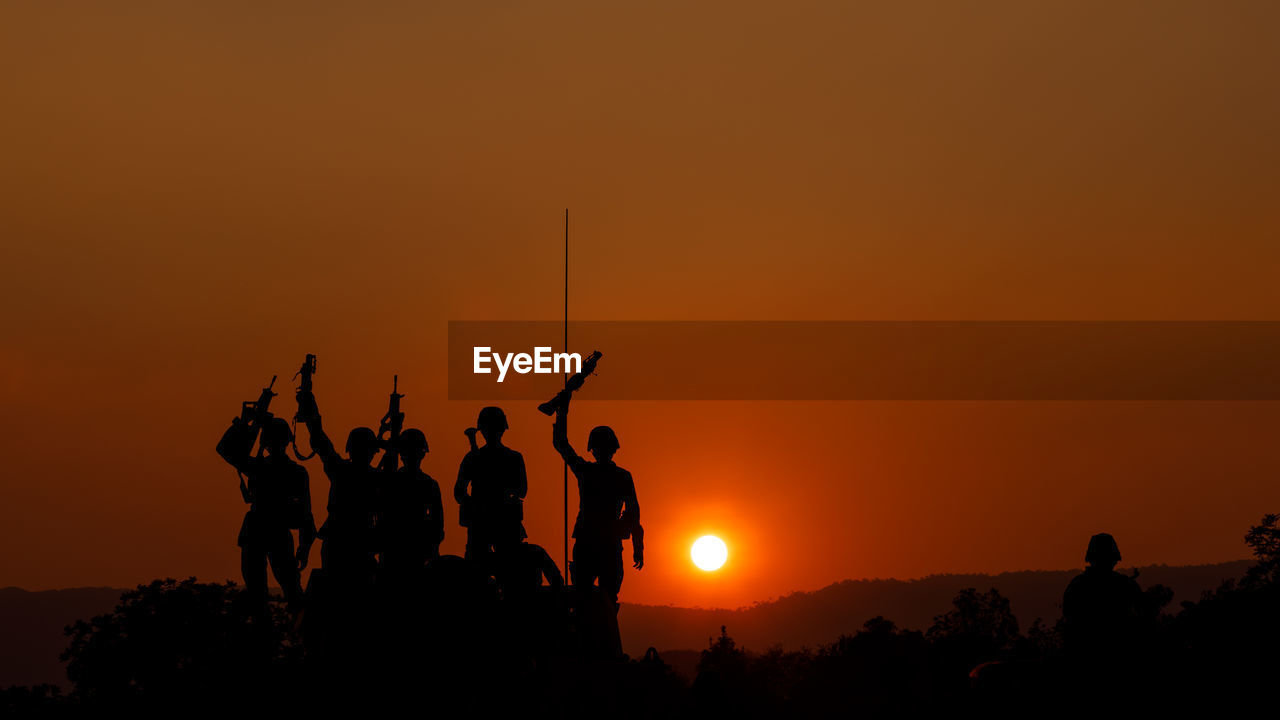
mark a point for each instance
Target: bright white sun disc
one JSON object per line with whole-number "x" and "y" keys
{"x": 709, "y": 553}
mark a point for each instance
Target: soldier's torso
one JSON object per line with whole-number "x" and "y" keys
{"x": 1101, "y": 602}
{"x": 602, "y": 487}
{"x": 404, "y": 499}
{"x": 276, "y": 490}
{"x": 521, "y": 569}
{"x": 494, "y": 474}
{"x": 351, "y": 498}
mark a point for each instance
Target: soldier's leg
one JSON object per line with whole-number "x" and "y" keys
{"x": 284, "y": 565}
{"x": 610, "y": 584}
{"x": 611, "y": 578}
{"x": 480, "y": 540}
{"x": 475, "y": 540}
{"x": 253, "y": 568}
{"x": 584, "y": 573}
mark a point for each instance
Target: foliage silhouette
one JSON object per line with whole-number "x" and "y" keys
{"x": 184, "y": 644}
{"x": 171, "y": 642}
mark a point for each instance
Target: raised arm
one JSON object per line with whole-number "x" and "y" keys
{"x": 560, "y": 436}
{"x": 236, "y": 444}
{"x": 309, "y": 412}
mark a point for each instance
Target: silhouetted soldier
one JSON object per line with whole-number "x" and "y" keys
{"x": 535, "y": 615}
{"x": 278, "y": 492}
{"x": 520, "y": 571}
{"x": 608, "y": 511}
{"x": 410, "y": 520}
{"x": 347, "y": 543}
{"x": 1101, "y": 612}
{"x": 493, "y": 509}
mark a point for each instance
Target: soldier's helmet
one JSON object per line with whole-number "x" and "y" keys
{"x": 412, "y": 442}
{"x": 1103, "y": 551}
{"x": 276, "y": 433}
{"x": 362, "y": 441}
{"x": 602, "y": 438}
{"x": 491, "y": 420}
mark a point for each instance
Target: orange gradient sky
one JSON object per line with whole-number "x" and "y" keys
{"x": 193, "y": 195}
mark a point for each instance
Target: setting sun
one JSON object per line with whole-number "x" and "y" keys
{"x": 709, "y": 553}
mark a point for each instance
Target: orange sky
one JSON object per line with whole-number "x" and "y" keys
{"x": 194, "y": 195}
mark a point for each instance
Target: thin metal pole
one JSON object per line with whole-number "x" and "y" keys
{"x": 566, "y": 385}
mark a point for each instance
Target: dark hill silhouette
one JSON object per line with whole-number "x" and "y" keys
{"x": 32, "y": 622}
{"x": 811, "y": 618}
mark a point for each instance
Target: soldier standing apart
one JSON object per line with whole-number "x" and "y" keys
{"x": 1101, "y": 608}
{"x": 410, "y": 514}
{"x": 490, "y": 491}
{"x": 278, "y": 492}
{"x": 347, "y": 543}
{"x": 608, "y": 511}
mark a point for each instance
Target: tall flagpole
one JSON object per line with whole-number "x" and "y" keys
{"x": 566, "y": 385}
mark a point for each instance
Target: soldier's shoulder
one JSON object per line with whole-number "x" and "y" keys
{"x": 1077, "y": 581}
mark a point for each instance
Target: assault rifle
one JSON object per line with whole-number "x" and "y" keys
{"x": 305, "y": 387}
{"x": 573, "y": 383}
{"x": 389, "y": 428}
{"x": 237, "y": 442}
{"x": 245, "y": 429}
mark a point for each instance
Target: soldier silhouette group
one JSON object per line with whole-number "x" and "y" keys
{"x": 383, "y": 590}
{"x": 380, "y": 558}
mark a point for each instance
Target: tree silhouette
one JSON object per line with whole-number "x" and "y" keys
{"x": 979, "y": 628}
{"x": 180, "y": 642}
{"x": 201, "y": 647}
{"x": 1264, "y": 540}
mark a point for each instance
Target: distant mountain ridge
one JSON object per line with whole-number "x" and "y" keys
{"x": 812, "y": 618}
{"x": 31, "y": 623}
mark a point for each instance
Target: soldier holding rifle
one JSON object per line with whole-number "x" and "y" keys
{"x": 608, "y": 511}
{"x": 278, "y": 492}
{"x": 490, "y": 491}
{"x": 347, "y": 542}
{"x": 410, "y": 514}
